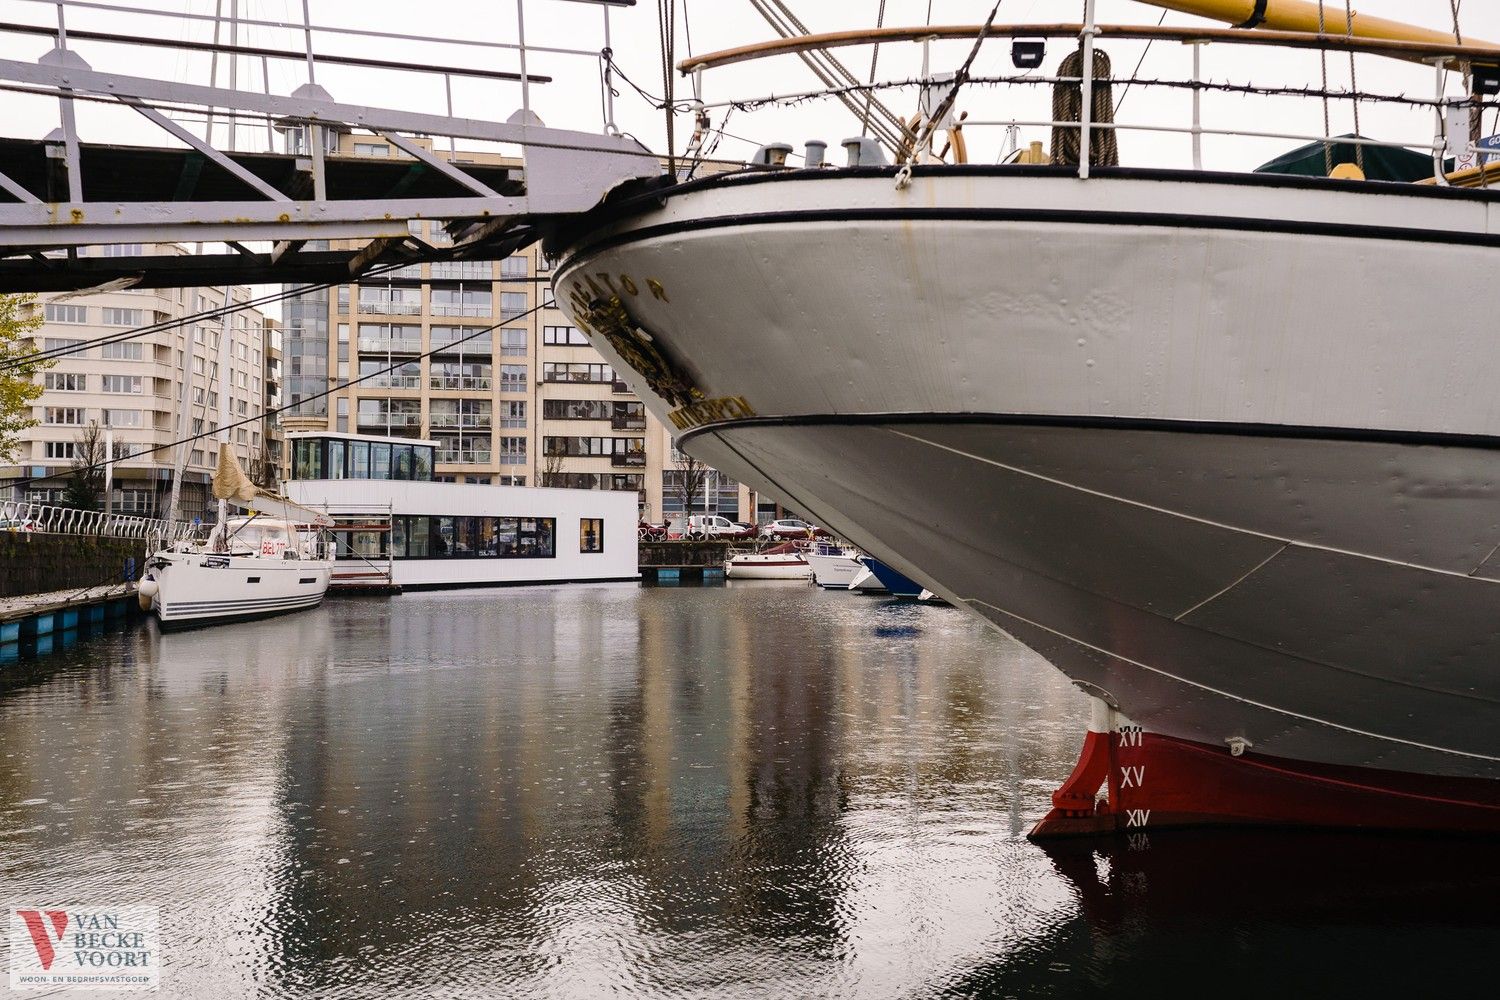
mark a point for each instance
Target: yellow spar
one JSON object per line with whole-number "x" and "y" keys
{"x": 1302, "y": 15}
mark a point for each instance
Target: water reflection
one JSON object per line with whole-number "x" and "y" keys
{"x": 724, "y": 791}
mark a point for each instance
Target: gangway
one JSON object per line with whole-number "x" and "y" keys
{"x": 61, "y": 193}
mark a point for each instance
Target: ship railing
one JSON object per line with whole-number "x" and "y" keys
{"x": 24, "y": 516}
{"x": 1447, "y": 114}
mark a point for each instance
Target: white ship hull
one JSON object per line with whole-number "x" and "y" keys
{"x": 197, "y": 588}
{"x": 1223, "y": 450}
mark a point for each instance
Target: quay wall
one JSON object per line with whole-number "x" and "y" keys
{"x": 34, "y": 562}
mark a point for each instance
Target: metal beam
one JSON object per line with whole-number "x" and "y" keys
{"x": 440, "y": 165}
{"x": 85, "y": 223}
{"x": 17, "y": 191}
{"x": 156, "y": 117}
{"x": 318, "y": 111}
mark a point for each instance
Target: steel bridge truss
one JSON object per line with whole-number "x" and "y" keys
{"x": 60, "y": 194}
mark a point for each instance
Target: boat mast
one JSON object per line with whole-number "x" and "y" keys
{"x": 174, "y": 505}
{"x": 224, "y": 355}
{"x": 1302, "y": 15}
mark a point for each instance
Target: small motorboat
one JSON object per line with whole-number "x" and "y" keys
{"x": 780, "y": 562}
{"x": 834, "y": 567}
{"x": 898, "y": 584}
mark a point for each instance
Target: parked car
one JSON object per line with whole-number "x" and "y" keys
{"x": 791, "y": 527}
{"x": 717, "y": 526}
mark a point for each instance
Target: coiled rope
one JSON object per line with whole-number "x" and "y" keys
{"x": 1067, "y": 106}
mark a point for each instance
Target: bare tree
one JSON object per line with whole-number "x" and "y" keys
{"x": 86, "y": 483}
{"x": 691, "y": 475}
{"x": 552, "y": 462}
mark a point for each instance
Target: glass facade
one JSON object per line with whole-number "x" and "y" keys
{"x": 424, "y": 536}
{"x": 340, "y": 458}
{"x": 305, "y": 350}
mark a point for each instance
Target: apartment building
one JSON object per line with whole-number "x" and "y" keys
{"x": 132, "y": 390}
{"x": 528, "y": 403}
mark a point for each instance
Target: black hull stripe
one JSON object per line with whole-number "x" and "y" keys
{"x": 1433, "y": 439}
{"x": 1150, "y": 220}
{"x": 215, "y": 608}
{"x": 244, "y": 600}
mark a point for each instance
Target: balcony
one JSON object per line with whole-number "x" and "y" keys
{"x": 628, "y": 423}
{"x": 619, "y": 386}
{"x": 393, "y": 382}
{"x": 462, "y": 270}
{"x": 390, "y": 345}
{"x": 629, "y": 460}
{"x": 389, "y": 308}
{"x": 472, "y": 309}
{"x": 463, "y": 421}
{"x": 460, "y": 383}
{"x": 376, "y": 422}
{"x": 459, "y": 456}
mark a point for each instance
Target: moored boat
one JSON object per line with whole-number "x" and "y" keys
{"x": 270, "y": 562}
{"x": 834, "y": 567}
{"x": 1210, "y": 455}
{"x": 779, "y": 562}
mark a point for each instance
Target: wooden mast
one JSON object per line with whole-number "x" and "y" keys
{"x": 1302, "y": 15}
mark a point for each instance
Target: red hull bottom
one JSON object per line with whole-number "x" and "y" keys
{"x": 1154, "y": 781}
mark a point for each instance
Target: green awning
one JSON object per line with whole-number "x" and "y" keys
{"x": 1381, "y": 163}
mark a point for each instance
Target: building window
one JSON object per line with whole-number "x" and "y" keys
{"x": 512, "y": 378}
{"x": 512, "y": 451}
{"x": 513, "y": 267}
{"x": 591, "y": 534}
{"x": 122, "y": 250}
{"x": 121, "y": 317}
{"x": 430, "y": 537}
{"x": 512, "y": 304}
{"x": 61, "y": 312}
{"x": 575, "y": 409}
{"x": 122, "y": 383}
{"x": 134, "y": 501}
{"x": 513, "y": 414}
{"x": 461, "y": 340}
{"x": 371, "y": 149}
{"x": 513, "y": 343}
{"x": 578, "y": 371}
{"x": 512, "y": 480}
{"x": 122, "y": 418}
{"x": 461, "y": 301}
{"x": 563, "y": 336}
{"x": 63, "y": 416}
{"x": 70, "y": 345}
{"x": 59, "y": 449}
{"x": 129, "y": 351}
{"x": 64, "y": 382}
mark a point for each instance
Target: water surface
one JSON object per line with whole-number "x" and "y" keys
{"x": 746, "y": 791}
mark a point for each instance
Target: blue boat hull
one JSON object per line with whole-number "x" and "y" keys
{"x": 896, "y": 583}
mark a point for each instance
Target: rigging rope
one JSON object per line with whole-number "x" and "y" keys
{"x": 1327, "y": 123}
{"x": 1359, "y": 149}
{"x": 864, "y": 128}
{"x": 666, "y": 18}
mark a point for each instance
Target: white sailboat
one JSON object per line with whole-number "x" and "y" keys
{"x": 267, "y": 562}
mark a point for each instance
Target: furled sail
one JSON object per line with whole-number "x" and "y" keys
{"x": 1302, "y": 15}
{"x": 232, "y": 485}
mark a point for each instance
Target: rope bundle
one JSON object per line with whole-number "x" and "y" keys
{"x": 1067, "y": 106}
